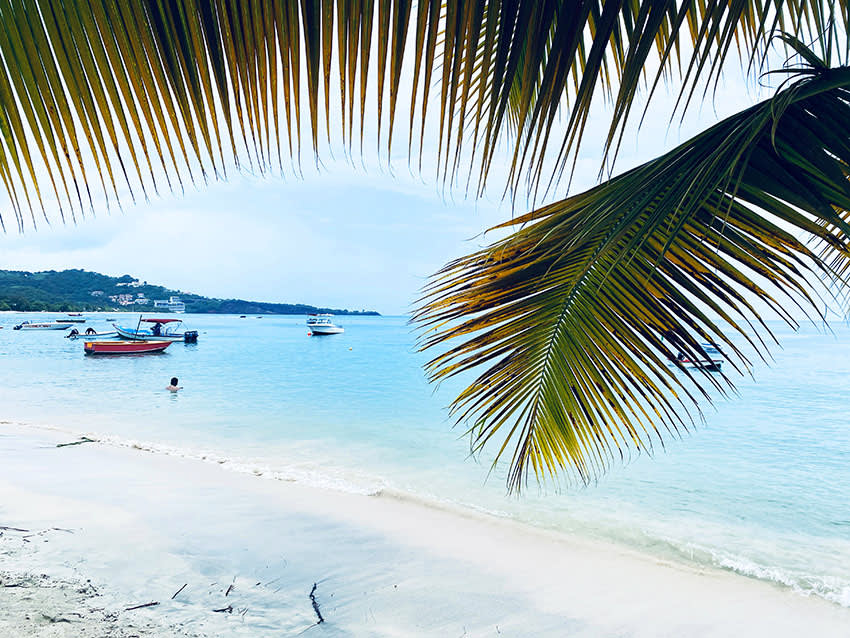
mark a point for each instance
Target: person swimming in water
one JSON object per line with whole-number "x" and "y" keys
{"x": 173, "y": 387}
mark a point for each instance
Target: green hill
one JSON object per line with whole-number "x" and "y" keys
{"x": 81, "y": 290}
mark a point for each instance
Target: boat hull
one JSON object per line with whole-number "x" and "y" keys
{"x": 125, "y": 347}
{"x": 712, "y": 365}
{"x": 43, "y": 326}
{"x": 91, "y": 335}
{"x": 326, "y": 330}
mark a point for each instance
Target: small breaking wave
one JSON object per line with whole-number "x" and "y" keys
{"x": 798, "y": 578}
{"x": 328, "y": 478}
{"x": 831, "y": 589}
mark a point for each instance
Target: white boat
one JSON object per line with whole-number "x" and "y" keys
{"x": 323, "y": 325}
{"x": 48, "y": 325}
{"x": 160, "y": 330}
{"x": 172, "y": 304}
{"x": 712, "y": 362}
{"x": 90, "y": 333}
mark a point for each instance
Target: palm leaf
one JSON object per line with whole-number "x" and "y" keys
{"x": 578, "y": 315}
{"x": 193, "y": 86}
{"x": 102, "y": 84}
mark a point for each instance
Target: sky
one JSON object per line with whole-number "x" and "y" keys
{"x": 341, "y": 237}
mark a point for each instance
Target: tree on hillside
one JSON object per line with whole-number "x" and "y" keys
{"x": 571, "y": 321}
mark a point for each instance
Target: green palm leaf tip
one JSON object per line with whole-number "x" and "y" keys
{"x": 577, "y": 316}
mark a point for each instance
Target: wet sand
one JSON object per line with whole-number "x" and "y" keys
{"x": 141, "y": 525}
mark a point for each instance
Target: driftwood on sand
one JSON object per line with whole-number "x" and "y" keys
{"x": 153, "y": 603}
{"x": 316, "y": 605}
{"x": 82, "y": 440}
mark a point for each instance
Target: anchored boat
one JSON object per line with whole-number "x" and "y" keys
{"x": 125, "y": 347}
{"x": 47, "y": 325}
{"x": 323, "y": 325}
{"x": 90, "y": 333}
{"x": 713, "y": 361}
{"x": 160, "y": 330}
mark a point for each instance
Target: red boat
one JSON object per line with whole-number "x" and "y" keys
{"x": 125, "y": 347}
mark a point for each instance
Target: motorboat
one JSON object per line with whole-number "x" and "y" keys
{"x": 712, "y": 362}
{"x": 125, "y": 347}
{"x": 172, "y": 304}
{"x": 159, "y": 330}
{"x": 90, "y": 332}
{"x": 322, "y": 324}
{"x": 47, "y": 325}
{"x": 74, "y": 317}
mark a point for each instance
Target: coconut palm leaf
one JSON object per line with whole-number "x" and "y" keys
{"x": 128, "y": 94}
{"x": 131, "y": 95}
{"x": 579, "y": 314}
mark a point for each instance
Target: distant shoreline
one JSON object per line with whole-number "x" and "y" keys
{"x": 76, "y": 290}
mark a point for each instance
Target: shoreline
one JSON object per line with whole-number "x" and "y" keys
{"x": 656, "y": 547}
{"x": 383, "y": 565}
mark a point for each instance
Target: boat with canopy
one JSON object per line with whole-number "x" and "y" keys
{"x": 158, "y": 330}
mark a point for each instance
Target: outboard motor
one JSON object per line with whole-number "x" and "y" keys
{"x": 190, "y": 336}
{"x": 73, "y": 334}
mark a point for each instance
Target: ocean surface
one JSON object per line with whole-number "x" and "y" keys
{"x": 760, "y": 487}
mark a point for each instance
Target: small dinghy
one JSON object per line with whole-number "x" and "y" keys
{"x": 89, "y": 333}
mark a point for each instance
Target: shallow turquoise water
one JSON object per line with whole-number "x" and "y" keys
{"x": 762, "y": 487}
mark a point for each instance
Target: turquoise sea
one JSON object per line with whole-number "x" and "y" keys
{"x": 761, "y": 487}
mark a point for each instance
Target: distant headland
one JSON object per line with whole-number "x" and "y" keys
{"x": 81, "y": 290}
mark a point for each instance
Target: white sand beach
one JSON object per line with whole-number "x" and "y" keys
{"x": 36, "y": 605}
{"x": 110, "y": 528}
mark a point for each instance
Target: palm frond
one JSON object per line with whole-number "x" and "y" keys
{"x": 578, "y": 315}
{"x": 570, "y": 312}
{"x": 131, "y": 94}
